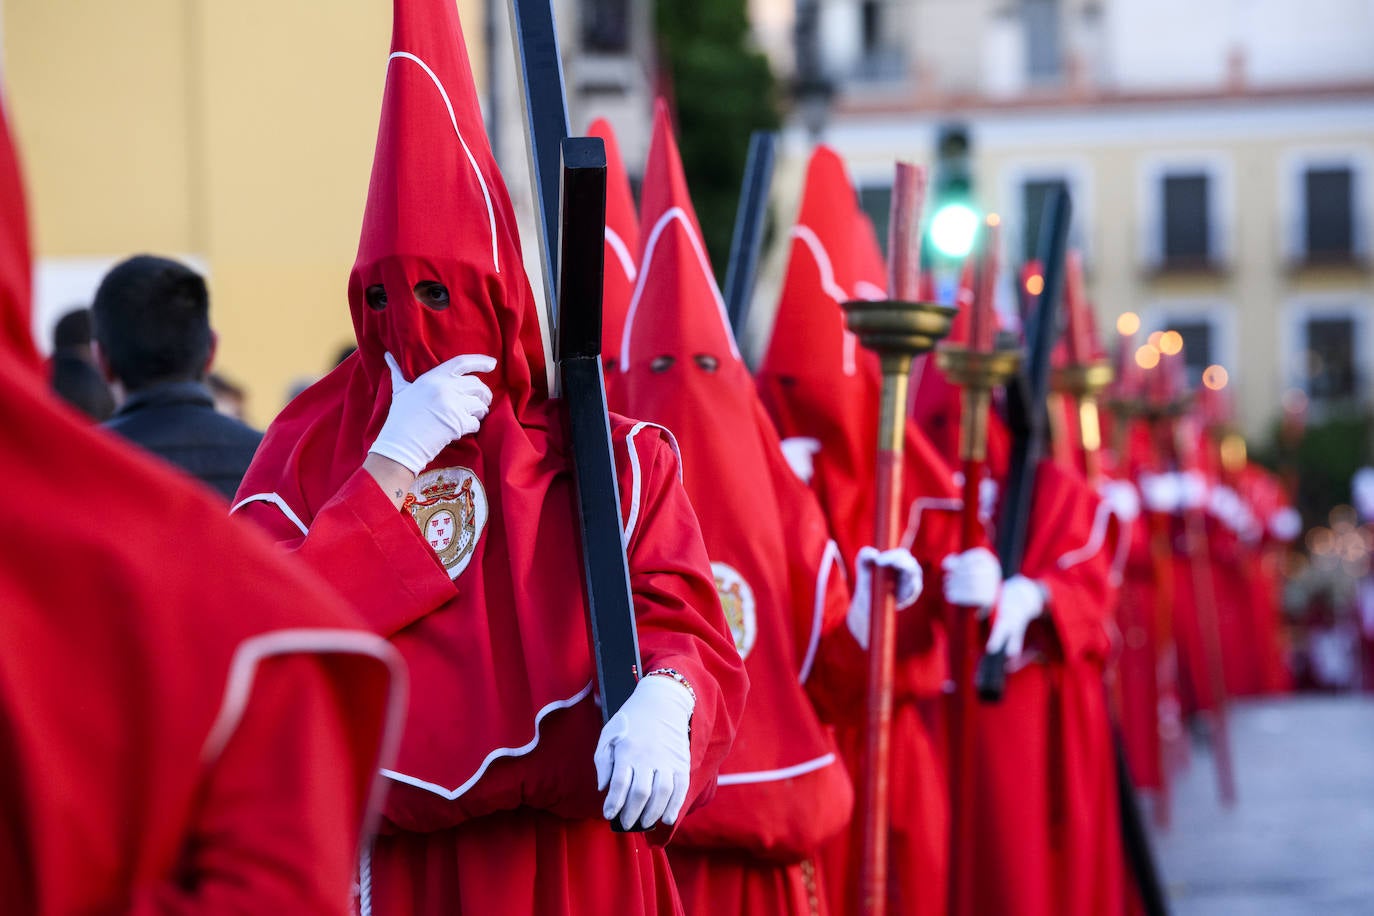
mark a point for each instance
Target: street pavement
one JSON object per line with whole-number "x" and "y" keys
{"x": 1300, "y": 842}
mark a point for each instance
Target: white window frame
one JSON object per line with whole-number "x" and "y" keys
{"x": 1221, "y": 203}
{"x": 1076, "y": 172}
{"x": 1294, "y": 164}
{"x": 1299, "y": 310}
{"x": 61, "y": 284}
{"x": 1218, "y": 314}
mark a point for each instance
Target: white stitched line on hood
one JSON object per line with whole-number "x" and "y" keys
{"x": 918, "y": 508}
{"x": 801, "y": 769}
{"x": 275, "y": 500}
{"x": 472, "y": 160}
{"x": 830, "y": 558}
{"x": 622, "y": 253}
{"x": 1096, "y": 538}
{"x": 808, "y": 237}
{"x": 452, "y": 794}
{"x": 679, "y": 215}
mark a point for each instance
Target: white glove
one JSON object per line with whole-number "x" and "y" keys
{"x": 910, "y": 582}
{"x": 645, "y": 754}
{"x": 1022, "y": 601}
{"x": 972, "y": 578}
{"x": 1161, "y": 492}
{"x": 1122, "y": 500}
{"x": 800, "y": 452}
{"x": 1192, "y": 490}
{"x": 441, "y": 406}
{"x": 1285, "y": 524}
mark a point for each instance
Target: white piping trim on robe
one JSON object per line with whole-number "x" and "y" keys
{"x": 801, "y": 769}
{"x": 452, "y": 794}
{"x": 807, "y": 236}
{"x": 472, "y": 160}
{"x": 636, "y": 475}
{"x": 919, "y": 507}
{"x": 870, "y": 291}
{"x": 243, "y": 669}
{"x": 277, "y": 501}
{"x": 622, "y": 254}
{"x": 674, "y": 214}
{"x": 830, "y": 559}
{"x": 1096, "y": 538}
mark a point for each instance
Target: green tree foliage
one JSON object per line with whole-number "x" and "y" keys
{"x": 1326, "y": 457}
{"x": 722, "y": 90}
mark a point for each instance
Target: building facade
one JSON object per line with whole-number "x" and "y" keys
{"x": 1219, "y": 156}
{"x": 239, "y": 137}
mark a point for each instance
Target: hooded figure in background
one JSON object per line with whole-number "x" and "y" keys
{"x": 1046, "y": 837}
{"x": 622, "y": 257}
{"x": 783, "y": 789}
{"x": 177, "y": 735}
{"x": 821, "y": 389}
{"x": 429, "y": 478}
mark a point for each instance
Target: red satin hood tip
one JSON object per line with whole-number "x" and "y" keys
{"x": 809, "y": 336}
{"x": 439, "y": 220}
{"x": 676, "y": 310}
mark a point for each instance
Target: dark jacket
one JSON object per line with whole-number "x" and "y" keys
{"x": 178, "y": 422}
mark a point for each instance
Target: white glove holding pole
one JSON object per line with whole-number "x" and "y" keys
{"x": 800, "y": 452}
{"x": 644, "y": 756}
{"x": 445, "y": 404}
{"x": 909, "y": 583}
{"x": 1022, "y": 600}
{"x": 972, "y": 578}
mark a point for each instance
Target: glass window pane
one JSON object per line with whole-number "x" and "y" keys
{"x": 1186, "y": 222}
{"x": 606, "y": 25}
{"x": 1330, "y": 227}
{"x": 1041, "y": 18}
{"x": 1033, "y": 197}
{"x": 1331, "y": 358}
{"x": 1197, "y": 346}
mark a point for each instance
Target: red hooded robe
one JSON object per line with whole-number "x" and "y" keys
{"x": 783, "y": 789}
{"x": 493, "y": 804}
{"x": 193, "y": 730}
{"x": 818, "y": 383}
{"x": 1047, "y": 837}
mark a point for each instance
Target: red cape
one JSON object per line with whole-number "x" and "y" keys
{"x": 783, "y": 790}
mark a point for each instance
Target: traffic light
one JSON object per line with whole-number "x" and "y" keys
{"x": 954, "y": 222}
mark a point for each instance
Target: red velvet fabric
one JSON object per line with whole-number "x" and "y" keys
{"x": 783, "y": 789}
{"x": 501, "y": 716}
{"x": 175, "y": 732}
{"x": 817, "y": 382}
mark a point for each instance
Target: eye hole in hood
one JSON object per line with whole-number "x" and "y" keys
{"x": 432, "y": 294}
{"x": 376, "y": 297}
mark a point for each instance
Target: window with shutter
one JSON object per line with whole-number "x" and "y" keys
{"x": 606, "y": 26}
{"x": 1329, "y": 227}
{"x": 1186, "y": 222}
{"x": 1330, "y": 358}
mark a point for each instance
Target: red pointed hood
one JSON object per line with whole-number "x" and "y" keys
{"x": 622, "y": 245}
{"x": 809, "y": 336}
{"x": 16, "y": 263}
{"x": 438, "y": 212}
{"x": 815, "y": 379}
{"x": 674, "y": 269}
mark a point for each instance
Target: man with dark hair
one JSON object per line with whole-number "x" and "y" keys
{"x": 154, "y": 344}
{"x": 72, "y": 371}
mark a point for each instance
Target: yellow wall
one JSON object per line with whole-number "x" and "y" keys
{"x": 237, "y": 132}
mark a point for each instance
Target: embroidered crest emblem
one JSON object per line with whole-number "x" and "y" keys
{"x": 737, "y": 599}
{"x": 450, "y": 508}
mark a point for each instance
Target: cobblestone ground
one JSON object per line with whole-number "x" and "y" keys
{"x": 1301, "y": 840}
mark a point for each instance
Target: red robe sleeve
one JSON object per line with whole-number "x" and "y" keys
{"x": 677, "y": 610}
{"x": 361, "y": 538}
{"x": 1070, "y": 550}
{"x": 269, "y": 834}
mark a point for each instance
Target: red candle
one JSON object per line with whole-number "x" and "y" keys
{"x": 904, "y": 236}
{"x": 983, "y": 324}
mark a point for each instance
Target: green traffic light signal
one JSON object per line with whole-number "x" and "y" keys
{"x": 953, "y": 229}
